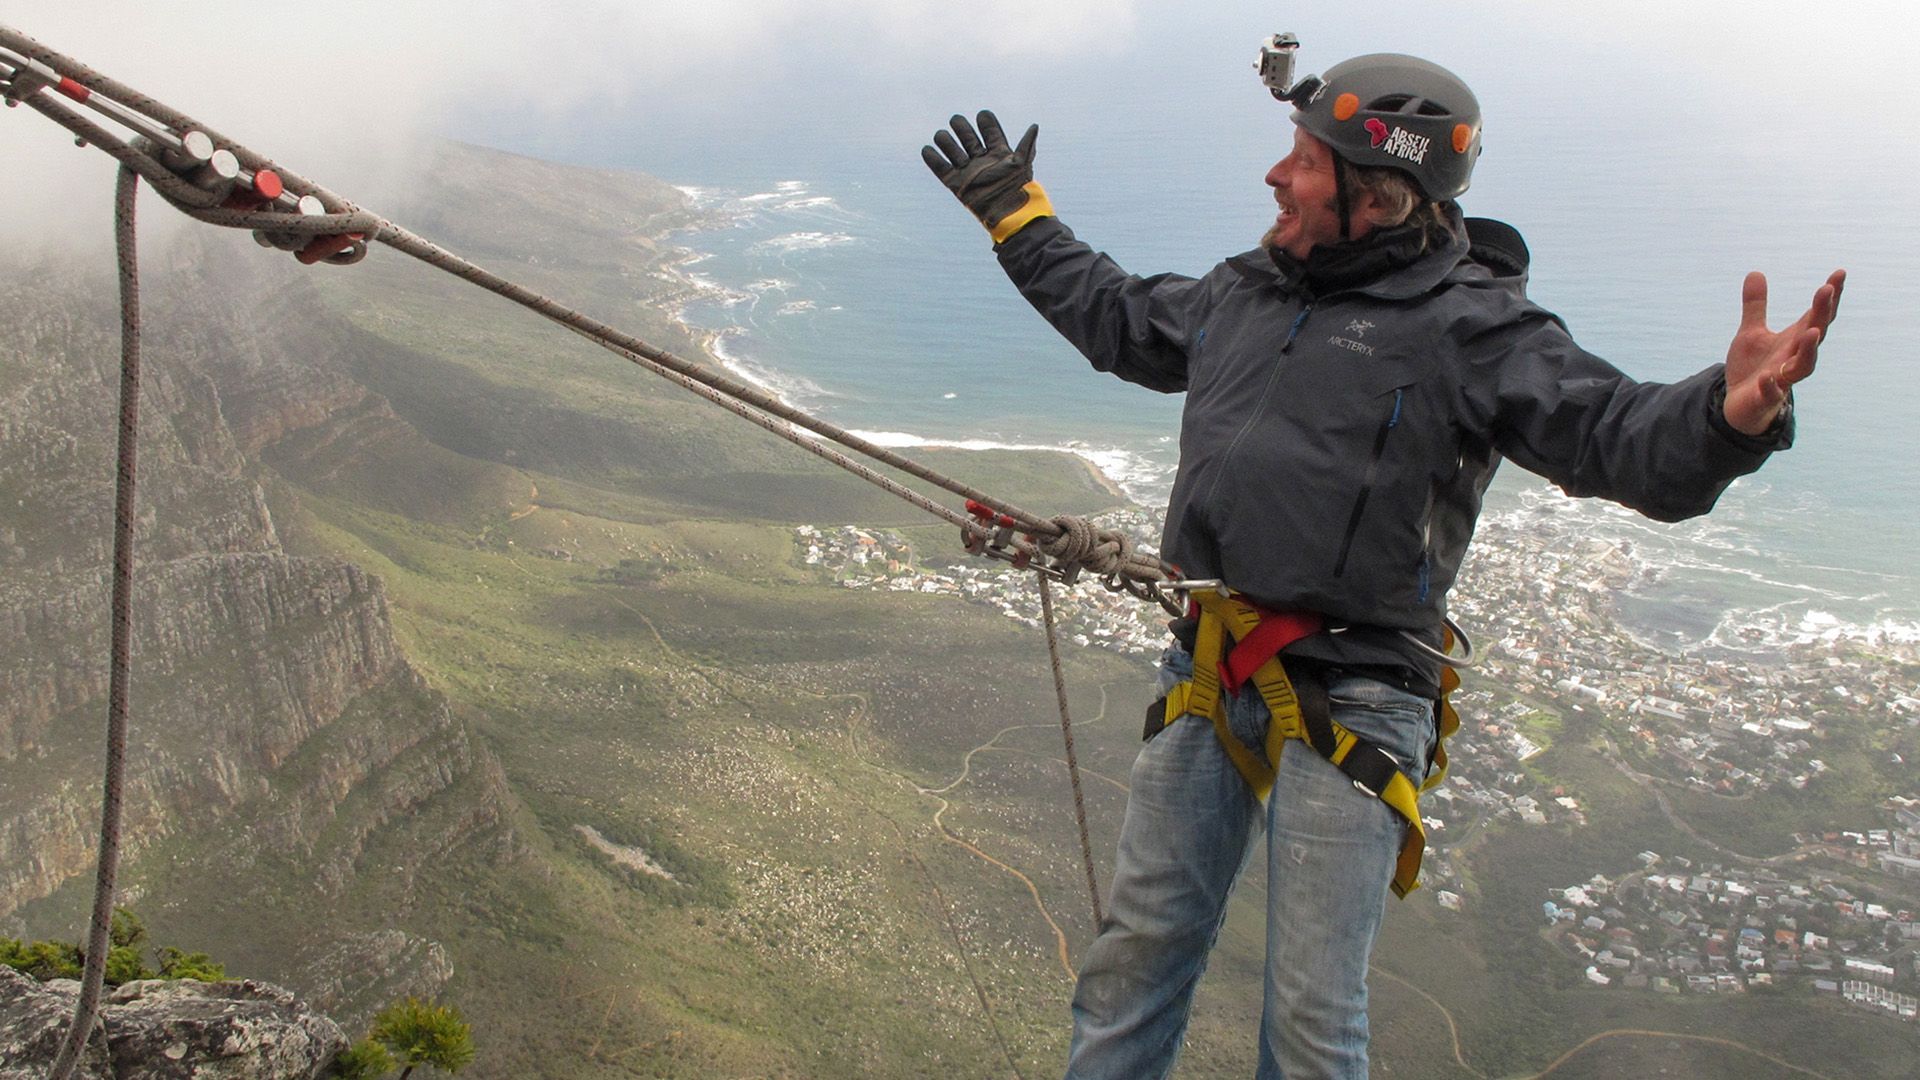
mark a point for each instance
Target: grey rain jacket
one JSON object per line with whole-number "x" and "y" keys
{"x": 1334, "y": 448}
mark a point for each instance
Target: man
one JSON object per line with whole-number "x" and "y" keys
{"x": 1351, "y": 386}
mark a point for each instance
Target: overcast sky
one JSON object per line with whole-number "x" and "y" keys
{"x": 1654, "y": 149}
{"x": 338, "y": 88}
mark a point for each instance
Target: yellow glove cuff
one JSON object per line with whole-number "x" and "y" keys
{"x": 1037, "y": 206}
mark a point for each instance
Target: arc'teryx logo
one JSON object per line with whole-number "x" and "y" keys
{"x": 1358, "y": 328}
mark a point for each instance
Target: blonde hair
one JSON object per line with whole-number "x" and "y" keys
{"x": 1398, "y": 198}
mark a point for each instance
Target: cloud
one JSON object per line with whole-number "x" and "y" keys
{"x": 339, "y": 89}
{"x": 1837, "y": 60}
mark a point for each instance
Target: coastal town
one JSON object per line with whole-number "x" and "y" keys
{"x": 1837, "y": 916}
{"x": 1536, "y": 596}
{"x": 1711, "y": 720}
{"x": 1089, "y": 615}
{"x": 1672, "y": 925}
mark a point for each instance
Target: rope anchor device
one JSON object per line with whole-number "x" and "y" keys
{"x": 206, "y": 176}
{"x": 994, "y": 539}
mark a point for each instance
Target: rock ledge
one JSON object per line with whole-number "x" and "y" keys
{"x": 167, "y": 1030}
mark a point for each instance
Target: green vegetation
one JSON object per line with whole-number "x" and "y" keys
{"x": 415, "y": 1033}
{"x": 127, "y": 946}
{"x": 364, "y": 1060}
{"x": 43, "y": 959}
{"x": 407, "y": 1035}
{"x": 175, "y": 964}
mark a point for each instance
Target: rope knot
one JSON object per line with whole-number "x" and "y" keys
{"x": 1102, "y": 551}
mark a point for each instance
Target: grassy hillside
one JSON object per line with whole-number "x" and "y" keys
{"x": 756, "y": 733}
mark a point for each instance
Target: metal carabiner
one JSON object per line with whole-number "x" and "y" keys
{"x": 1468, "y": 657}
{"x": 1195, "y": 584}
{"x": 1173, "y": 595}
{"x": 1388, "y": 754}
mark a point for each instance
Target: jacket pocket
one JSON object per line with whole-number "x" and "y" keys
{"x": 1395, "y": 398}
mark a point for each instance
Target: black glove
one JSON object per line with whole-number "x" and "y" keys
{"x": 993, "y": 180}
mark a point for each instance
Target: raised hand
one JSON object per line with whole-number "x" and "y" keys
{"x": 1763, "y": 364}
{"x": 992, "y": 179}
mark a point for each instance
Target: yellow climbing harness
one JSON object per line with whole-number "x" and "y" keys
{"x": 1256, "y": 638}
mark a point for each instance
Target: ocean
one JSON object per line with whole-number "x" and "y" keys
{"x": 847, "y": 280}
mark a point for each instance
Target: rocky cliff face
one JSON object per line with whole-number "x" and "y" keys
{"x": 358, "y": 975}
{"x": 271, "y": 702}
{"x": 301, "y": 803}
{"x": 180, "y": 1030}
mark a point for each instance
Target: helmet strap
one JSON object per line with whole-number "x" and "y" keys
{"x": 1341, "y": 199}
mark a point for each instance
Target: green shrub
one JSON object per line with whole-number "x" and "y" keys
{"x": 127, "y": 931}
{"x": 421, "y": 1034}
{"x": 175, "y": 964}
{"x": 364, "y": 1060}
{"x": 124, "y": 966}
{"x": 45, "y": 960}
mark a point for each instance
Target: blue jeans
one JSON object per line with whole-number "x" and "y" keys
{"x": 1190, "y": 827}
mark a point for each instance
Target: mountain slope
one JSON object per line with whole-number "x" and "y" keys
{"x": 475, "y": 663}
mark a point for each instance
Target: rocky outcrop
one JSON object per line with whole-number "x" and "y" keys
{"x": 59, "y": 387}
{"x": 167, "y": 1030}
{"x": 270, "y": 698}
{"x": 356, "y": 977}
{"x": 309, "y": 633}
{"x": 243, "y": 659}
{"x": 34, "y": 1018}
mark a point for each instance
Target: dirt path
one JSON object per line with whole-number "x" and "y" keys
{"x": 945, "y": 909}
{"x": 1618, "y": 1033}
{"x": 1039, "y": 903}
{"x": 947, "y": 833}
{"x": 1453, "y": 1029}
{"x": 533, "y": 503}
{"x": 1651, "y": 785}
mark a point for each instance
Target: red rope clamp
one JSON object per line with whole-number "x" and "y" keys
{"x": 326, "y": 247}
{"x": 997, "y": 545}
{"x": 993, "y": 538}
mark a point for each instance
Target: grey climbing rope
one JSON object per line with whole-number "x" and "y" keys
{"x": 126, "y": 474}
{"x": 1066, "y": 734}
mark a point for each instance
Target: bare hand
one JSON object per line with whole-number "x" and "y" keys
{"x": 1763, "y": 364}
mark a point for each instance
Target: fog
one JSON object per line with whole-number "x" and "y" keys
{"x": 343, "y": 91}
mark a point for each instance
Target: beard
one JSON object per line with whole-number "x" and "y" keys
{"x": 1330, "y": 206}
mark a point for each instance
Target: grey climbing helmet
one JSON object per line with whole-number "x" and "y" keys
{"x": 1398, "y": 111}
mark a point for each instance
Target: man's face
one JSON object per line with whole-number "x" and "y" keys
{"x": 1303, "y": 185}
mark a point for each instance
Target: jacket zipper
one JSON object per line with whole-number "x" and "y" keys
{"x": 1366, "y": 485}
{"x": 1293, "y": 331}
{"x": 1286, "y": 346}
